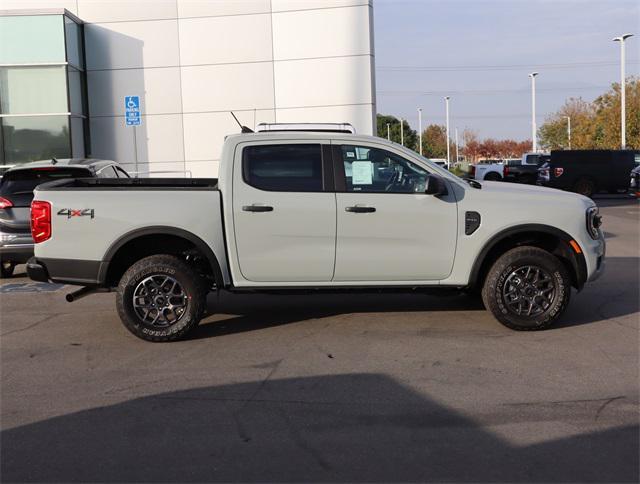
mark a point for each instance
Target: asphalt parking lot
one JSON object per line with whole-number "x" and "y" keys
{"x": 402, "y": 387}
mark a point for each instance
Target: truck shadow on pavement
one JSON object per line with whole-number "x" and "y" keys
{"x": 613, "y": 296}
{"x": 352, "y": 427}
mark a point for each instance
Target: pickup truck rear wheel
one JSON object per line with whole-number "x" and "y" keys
{"x": 585, "y": 187}
{"x": 527, "y": 289}
{"x": 161, "y": 298}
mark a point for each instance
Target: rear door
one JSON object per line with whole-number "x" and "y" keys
{"x": 388, "y": 228}
{"x": 284, "y": 211}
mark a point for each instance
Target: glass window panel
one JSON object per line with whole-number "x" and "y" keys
{"x": 374, "y": 170}
{"x": 73, "y": 35}
{"x": 30, "y": 39}
{"x": 28, "y": 138}
{"x": 75, "y": 91}
{"x": 77, "y": 137}
{"x": 284, "y": 168}
{"x": 33, "y": 90}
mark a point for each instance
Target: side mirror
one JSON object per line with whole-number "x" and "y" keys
{"x": 435, "y": 185}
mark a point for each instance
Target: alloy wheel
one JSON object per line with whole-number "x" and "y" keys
{"x": 529, "y": 291}
{"x": 159, "y": 300}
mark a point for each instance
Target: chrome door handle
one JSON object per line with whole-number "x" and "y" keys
{"x": 257, "y": 208}
{"x": 360, "y": 209}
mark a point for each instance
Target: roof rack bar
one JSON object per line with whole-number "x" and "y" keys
{"x": 318, "y": 127}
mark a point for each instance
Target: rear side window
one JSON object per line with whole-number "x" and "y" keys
{"x": 18, "y": 185}
{"x": 283, "y": 168}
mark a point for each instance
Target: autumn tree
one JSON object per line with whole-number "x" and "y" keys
{"x": 595, "y": 125}
{"x": 553, "y": 134}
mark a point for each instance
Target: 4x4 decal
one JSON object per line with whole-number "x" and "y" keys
{"x": 71, "y": 212}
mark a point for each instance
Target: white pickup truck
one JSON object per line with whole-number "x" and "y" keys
{"x": 294, "y": 211}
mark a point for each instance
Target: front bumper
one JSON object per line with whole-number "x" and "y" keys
{"x": 595, "y": 254}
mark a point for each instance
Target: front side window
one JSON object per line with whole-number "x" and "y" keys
{"x": 283, "y": 168}
{"x": 374, "y": 170}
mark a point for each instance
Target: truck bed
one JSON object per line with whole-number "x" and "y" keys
{"x": 92, "y": 218}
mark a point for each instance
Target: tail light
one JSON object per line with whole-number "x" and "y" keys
{"x": 505, "y": 171}
{"x": 472, "y": 170}
{"x": 558, "y": 171}
{"x": 4, "y": 203}
{"x": 40, "y": 221}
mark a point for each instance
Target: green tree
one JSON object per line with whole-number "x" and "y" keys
{"x": 434, "y": 142}
{"x": 410, "y": 135}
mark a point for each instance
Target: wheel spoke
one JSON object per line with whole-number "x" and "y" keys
{"x": 159, "y": 300}
{"x": 528, "y": 291}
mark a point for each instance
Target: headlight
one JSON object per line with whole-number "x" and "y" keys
{"x": 594, "y": 221}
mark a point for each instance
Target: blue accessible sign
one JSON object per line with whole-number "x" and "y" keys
{"x": 132, "y": 110}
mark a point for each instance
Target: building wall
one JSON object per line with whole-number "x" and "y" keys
{"x": 193, "y": 61}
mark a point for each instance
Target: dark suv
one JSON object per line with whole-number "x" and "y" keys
{"x": 16, "y": 194}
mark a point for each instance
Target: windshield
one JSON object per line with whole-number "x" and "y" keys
{"x": 440, "y": 170}
{"x": 17, "y": 186}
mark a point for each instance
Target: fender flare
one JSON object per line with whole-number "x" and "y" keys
{"x": 200, "y": 244}
{"x": 578, "y": 262}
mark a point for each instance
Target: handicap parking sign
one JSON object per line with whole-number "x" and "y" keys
{"x": 132, "y": 110}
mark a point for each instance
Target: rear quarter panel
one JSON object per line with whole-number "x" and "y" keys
{"x": 118, "y": 212}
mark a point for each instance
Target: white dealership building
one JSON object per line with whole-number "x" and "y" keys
{"x": 66, "y": 67}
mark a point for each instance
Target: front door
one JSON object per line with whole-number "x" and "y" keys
{"x": 388, "y": 228}
{"x": 284, "y": 213}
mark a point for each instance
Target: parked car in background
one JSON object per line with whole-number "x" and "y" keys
{"x": 526, "y": 171}
{"x": 301, "y": 210}
{"x": 489, "y": 170}
{"x": 588, "y": 171}
{"x": 16, "y": 194}
{"x": 634, "y": 184}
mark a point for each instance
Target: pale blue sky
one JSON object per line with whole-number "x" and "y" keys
{"x": 526, "y": 35}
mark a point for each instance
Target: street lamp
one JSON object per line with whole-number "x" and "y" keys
{"x": 533, "y": 112}
{"x": 401, "y": 130}
{"x": 569, "y": 130}
{"x": 457, "y": 157}
{"x": 623, "y": 107}
{"x": 420, "y": 129}
{"x": 388, "y": 132}
{"x": 446, "y": 107}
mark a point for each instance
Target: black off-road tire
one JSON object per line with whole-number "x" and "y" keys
{"x": 493, "y": 294}
{"x": 585, "y": 186}
{"x": 493, "y": 176}
{"x": 6, "y": 269}
{"x": 191, "y": 283}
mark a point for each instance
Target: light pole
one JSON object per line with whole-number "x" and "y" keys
{"x": 457, "y": 157}
{"x": 446, "y": 108}
{"x": 401, "y": 131}
{"x": 388, "y": 132}
{"x": 420, "y": 129}
{"x": 569, "y": 130}
{"x": 534, "y": 141}
{"x": 623, "y": 107}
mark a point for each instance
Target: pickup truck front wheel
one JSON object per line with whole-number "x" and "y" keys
{"x": 527, "y": 289}
{"x": 161, "y": 298}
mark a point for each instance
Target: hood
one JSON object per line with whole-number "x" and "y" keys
{"x": 515, "y": 192}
